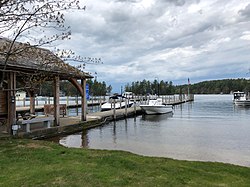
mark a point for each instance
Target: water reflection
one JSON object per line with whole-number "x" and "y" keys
{"x": 74, "y": 140}
{"x": 157, "y": 118}
{"x": 209, "y": 129}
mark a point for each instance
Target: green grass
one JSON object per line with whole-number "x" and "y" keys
{"x": 41, "y": 163}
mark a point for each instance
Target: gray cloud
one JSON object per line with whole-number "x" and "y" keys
{"x": 175, "y": 2}
{"x": 128, "y": 1}
{"x": 172, "y": 40}
{"x": 179, "y": 2}
{"x": 245, "y": 12}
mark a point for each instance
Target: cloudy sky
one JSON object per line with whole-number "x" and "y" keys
{"x": 172, "y": 40}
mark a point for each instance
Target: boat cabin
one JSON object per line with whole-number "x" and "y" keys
{"x": 239, "y": 96}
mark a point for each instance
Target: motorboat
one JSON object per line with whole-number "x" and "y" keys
{"x": 119, "y": 104}
{"x": 241, "y": 99}
{"x": 156, "y": 106}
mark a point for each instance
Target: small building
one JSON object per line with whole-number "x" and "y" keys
{"x": 29, "y": 66}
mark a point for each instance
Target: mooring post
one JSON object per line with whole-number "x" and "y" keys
{"x": 126, "y": 107}
{"x": 100, "y": 101}
{"x": 92, "y": 100}
{"x": 120, "y": 100}
{"x": 67, "y": 100}
{"x": 77, "y": 100}
{"x": 135, "y": 107}
{"x": 114, "y": 112}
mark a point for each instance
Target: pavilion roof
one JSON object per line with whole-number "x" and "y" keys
{"x": 30, "y": 59}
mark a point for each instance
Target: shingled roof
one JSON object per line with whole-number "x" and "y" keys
{"x": 26, "y": 58}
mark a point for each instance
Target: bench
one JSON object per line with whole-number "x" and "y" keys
{"x": 45, "y": 120}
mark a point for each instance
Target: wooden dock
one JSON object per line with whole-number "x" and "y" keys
{"x": 39, "y": 108}
{"x": 69, "y": 125}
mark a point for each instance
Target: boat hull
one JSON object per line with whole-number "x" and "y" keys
{"x": 156, "y": 109}
{"x": 107, "y": 106}
{"x": 242, "y": 102}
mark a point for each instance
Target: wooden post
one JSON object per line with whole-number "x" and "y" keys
{"x": 92, "y": 98}
{"x": 114, "y": 113}
{"x": 120, "y": 100}
{"x": 56, "y": 101}
{"x": 100, "y": 101}
{"x": 135, "y": 107}
{"x": 76, "y": 100}
{"x": 11, "y": 101}
{"x": 36, "y": 99}
{"x": 84, "y": 101}
{"x": 126, "y": 107}
{"x": 67, "y": 101}
{"x": 32, "y": 101}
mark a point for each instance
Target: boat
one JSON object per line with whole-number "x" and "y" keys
{"x": 118, "y": 104}
{"x": 156, "y": 106}
{"x": 241, "y": 99}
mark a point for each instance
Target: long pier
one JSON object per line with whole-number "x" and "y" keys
{"x": 168, "y": 99}
{"x": 69, "y": 124}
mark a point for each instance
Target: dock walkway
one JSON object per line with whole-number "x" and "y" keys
{"x": 69, "y": 124}
{"x": 73, "y": 124}
{"x": 41, "y": 107}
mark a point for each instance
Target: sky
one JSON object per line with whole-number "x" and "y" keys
{"x": 170, "y": 40}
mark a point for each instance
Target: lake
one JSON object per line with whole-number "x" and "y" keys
{"x": 209, "y": 129}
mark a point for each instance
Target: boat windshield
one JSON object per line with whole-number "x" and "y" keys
{"x": 238, "y": 95}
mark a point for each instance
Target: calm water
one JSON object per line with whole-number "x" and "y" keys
{"x": 209, "y": 129}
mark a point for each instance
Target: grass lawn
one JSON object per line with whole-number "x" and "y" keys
{"x": 41, "y": 163}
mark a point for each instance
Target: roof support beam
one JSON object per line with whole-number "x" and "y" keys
{"x": 81, "y": 87}
{"x": 84, "y": 101}
{"x": 56, "y": 101}
{"x": 11, "y": 101}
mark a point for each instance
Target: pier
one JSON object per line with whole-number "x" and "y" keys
{"x": 72, "y": 124}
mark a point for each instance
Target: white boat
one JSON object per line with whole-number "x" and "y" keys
{"x": 118, "y": 103}
{"x": 156, "y": 106}
{"x": 241, "y": 99}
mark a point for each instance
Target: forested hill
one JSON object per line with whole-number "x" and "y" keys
{"x": 207, "y": 87}
{"x": 224, "y": 86}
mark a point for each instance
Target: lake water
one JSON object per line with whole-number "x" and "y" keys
{"x": 209, "y": 129}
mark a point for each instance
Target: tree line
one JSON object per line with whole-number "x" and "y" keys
{"x": 147, "y": 87}
{"x": 95, "y": 88}
{"x": 155, "y": 87}
{"x": 224, "y": 86}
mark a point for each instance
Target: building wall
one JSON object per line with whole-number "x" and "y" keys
{"x": 3, "y": 102}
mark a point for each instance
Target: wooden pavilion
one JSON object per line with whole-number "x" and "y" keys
{"x": 28, "y": 65}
